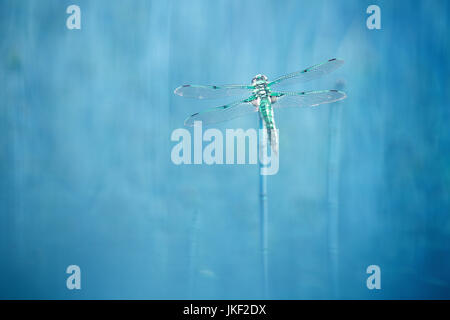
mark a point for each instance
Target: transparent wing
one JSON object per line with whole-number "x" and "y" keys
{"x": 212, "y": 92}
{"x": 306, "y": 99}
{"x": 223, "y": 113}
{"x": 308, "y": 74}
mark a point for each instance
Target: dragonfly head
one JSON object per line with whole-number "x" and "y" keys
{"x": 258, "y": 79}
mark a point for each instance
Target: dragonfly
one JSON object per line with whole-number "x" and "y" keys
{"x": 264, "y": 97}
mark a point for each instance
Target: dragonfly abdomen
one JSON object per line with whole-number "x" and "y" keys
{"x": 266, "y": 111}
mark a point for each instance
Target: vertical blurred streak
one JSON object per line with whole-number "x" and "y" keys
{"x": 158, "y": 51}
{"x": 263, "y": 216}
{"x": 333, "y": 192}
{"x": 193, "y": 254}
{"x": 25, "y": 16}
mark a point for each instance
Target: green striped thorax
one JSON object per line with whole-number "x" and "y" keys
{"x": 264, "y": 99}
{"x": 262, "y": 89}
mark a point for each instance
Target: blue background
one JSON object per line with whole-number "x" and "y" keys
{"x": 86, "y": 176}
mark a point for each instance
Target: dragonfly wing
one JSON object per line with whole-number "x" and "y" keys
{"x": 212, "y": 92}
{"x": 306, "y": 99}
{"x": 223, "y": 113}
{"x": 308, "y": 74}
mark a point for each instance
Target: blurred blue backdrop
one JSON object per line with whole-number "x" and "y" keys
{"x": 86, "y": 176}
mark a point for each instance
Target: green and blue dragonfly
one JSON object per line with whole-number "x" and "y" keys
{"x": 262, "y": 99}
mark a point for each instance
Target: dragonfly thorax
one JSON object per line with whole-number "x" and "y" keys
{"x": 261, "y": 90}
{"x": 260, "y": 83}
